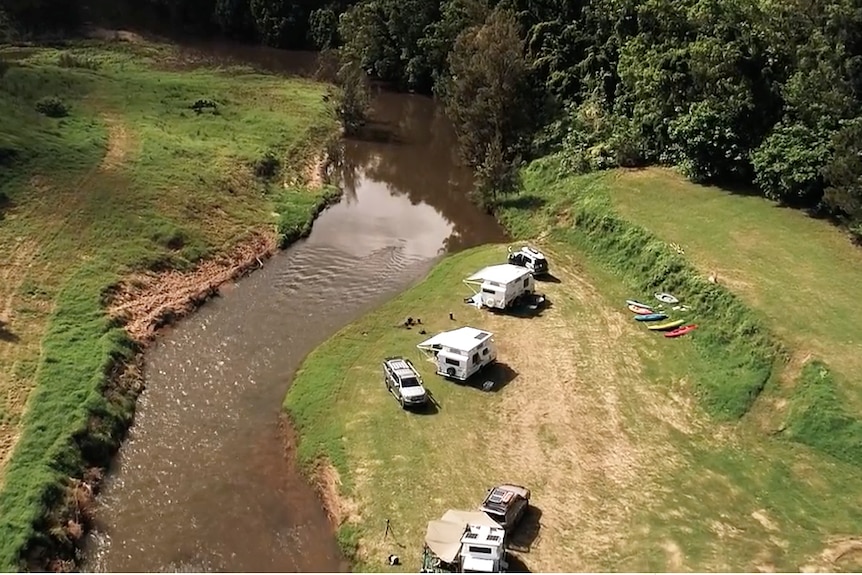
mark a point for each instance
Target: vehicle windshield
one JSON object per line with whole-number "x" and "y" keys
{"x": 409, "y": 382}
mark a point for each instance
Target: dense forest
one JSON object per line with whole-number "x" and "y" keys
{"x": 761, "y": 94}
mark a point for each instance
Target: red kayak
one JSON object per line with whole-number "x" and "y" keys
{"x": 681, "y": 330}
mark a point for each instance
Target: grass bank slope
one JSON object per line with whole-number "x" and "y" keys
{"x": 632, "y": 443}
{"x": 106, "y": 170}
{"x": 801, "y": 273}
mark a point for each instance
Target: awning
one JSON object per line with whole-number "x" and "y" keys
{"x": 463, "y": 338}
{"x": 444, "y": 539}
{"x": 443, "y": 536}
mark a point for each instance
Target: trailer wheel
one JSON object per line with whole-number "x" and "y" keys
{"x": 450, "y": 372}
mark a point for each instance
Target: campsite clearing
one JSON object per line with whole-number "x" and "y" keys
{"x": 593, "y": 412}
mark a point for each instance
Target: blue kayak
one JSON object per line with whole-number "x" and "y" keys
{"x": 650, "y": 317}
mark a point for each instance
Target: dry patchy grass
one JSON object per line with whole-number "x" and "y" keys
{"x": 567, "y": 425}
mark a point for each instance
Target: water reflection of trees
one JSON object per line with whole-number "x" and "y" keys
{"x": 410, "y": 146}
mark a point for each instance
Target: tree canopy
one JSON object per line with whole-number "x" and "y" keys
{"x": 763, "y": 93}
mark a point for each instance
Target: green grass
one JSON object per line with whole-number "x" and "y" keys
{"x": 737, "y": 349}
{"x": 644, "y": 454}
{"x": 802, "y": 274}
{"x": 131, "y": 179}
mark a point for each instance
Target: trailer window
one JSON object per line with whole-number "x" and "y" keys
{"x": 526, "y": 281}
{"x": 451, "y": 361}
{"x": 486, "y": 290}
{"x": 485, "y": 351}
{"x": 475, "y": 358}
{"x": 485, "y": 550}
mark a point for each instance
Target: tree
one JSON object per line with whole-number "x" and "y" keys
{"x": 844, "y": 175}
{"x": 354, "y": 98}
{"x": 488, "y": 98}
{"x": 323, "y": 28}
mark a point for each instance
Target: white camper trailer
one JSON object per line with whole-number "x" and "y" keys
{"x": 460, "y": 353}
{"x": 500, "y": 286}
{"x": 465, "y": 542}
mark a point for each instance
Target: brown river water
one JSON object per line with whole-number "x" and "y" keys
{"x": 203, "y": 482}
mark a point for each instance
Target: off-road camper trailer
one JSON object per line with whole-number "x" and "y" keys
{"x": 464, "y": 542}
{"x": 501, "y": 286}
{"x": 460, "y": 353}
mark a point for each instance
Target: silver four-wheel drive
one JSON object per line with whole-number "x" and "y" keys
{"x": 404, "y": 382}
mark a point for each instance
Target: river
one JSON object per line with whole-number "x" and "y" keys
{"x": 203, "y": 482}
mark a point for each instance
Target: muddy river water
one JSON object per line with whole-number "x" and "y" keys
{"x": 203, "y": 482}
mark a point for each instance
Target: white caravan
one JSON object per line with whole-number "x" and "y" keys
{"x": 460, "y": 353}
{"x": 465, "y": 542}
{"x": 500, "y": 286}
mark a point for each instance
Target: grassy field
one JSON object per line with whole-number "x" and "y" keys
{"x": 640, "y": 450}
{"x": 105, "y": 170}
{"x": 802, "y": 274}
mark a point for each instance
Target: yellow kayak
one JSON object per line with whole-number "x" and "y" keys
{"x": 665, "y": 325}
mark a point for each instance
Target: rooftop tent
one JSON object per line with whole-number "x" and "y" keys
{"x": 464, "y": 338}
{"x": 502, "y": 273}
{"x": 443, "y": 536}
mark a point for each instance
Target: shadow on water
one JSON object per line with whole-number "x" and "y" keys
{"x": 202, "y": 481}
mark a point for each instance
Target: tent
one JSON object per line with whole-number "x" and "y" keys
{"x": 443, "y": 536}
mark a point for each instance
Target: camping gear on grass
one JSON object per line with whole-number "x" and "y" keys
{"x": 666, "y": 325}
{"x": 681, "y": 330}
{"x": 666, "y": 298}
{"x": 650, "y": 317}
{"x": 639, "y": 310}
{"x": 638, "y": 304}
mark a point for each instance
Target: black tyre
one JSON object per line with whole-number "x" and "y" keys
{"x": 450, "y": 372}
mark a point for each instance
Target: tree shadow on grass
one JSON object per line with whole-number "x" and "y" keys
{"x": 523, "y": 202}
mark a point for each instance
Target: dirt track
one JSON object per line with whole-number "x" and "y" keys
{"x": 567, "y": 409}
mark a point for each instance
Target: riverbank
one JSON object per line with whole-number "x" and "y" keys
{"x": 643, "y": 453}
{"x": 131, "y": 192}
